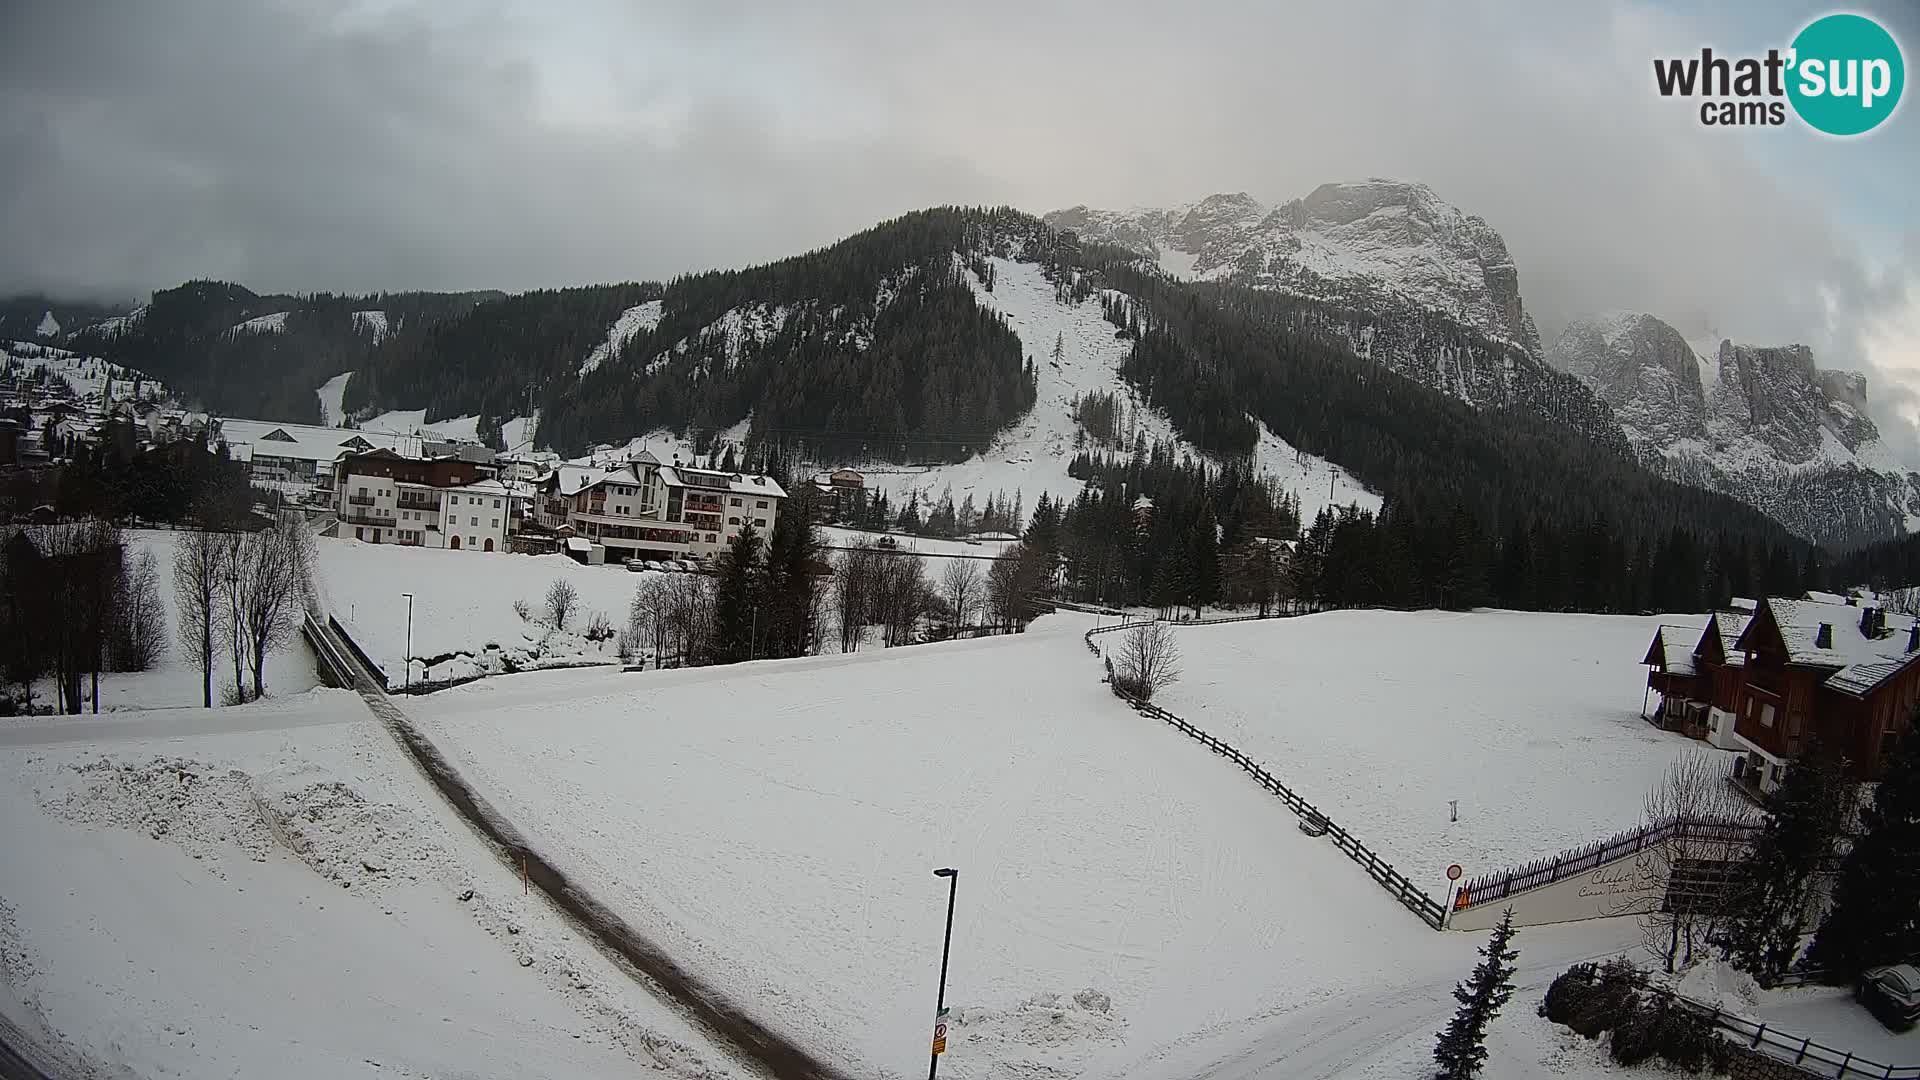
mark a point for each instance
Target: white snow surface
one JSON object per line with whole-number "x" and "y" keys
{"x": 49, "y": 326}
{"x": 273, "y": 890}
{"x": 518, "y": 433}
{"x": 1032, "y": 455}
{"x": 463, "y": 603}
{"x": 331, "y": 392}
{"x": 636, "y": 320}
{"x": 1531, "y": 721}
{"x": 374, "y": 322}
{"x": 1128, "y": 906}
{"x": 265, "y": 324}
{"x": 115, "y": 325}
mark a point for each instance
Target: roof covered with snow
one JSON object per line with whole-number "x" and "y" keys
{"x": 1672, "y": 649}
{"x": 306, "y": 442}
{"x": 1862, "y": 662}
{"x": 1730, "y": 627}
{"x": 737, "y": 483}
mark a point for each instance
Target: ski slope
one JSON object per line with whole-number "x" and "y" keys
{"x": 1032, "y": 456}
{"x": 1121, "y": 893}
{"x": 293, "y": 902}
{"x": 88, "y": 375}
{"x": 638, "y": 319}
{"x": 1530, "y": 721}
{"x": 331, "y": 393}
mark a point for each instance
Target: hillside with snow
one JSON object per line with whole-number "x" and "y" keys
{"x": 87, "y": 375}
{"x": 1032, "y": 456}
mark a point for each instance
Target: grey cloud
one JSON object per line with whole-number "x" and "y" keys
{"x": 392, "y": 146}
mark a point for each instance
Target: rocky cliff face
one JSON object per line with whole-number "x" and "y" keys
{"x": 1761, "y": 423}
{"x": 1372, "y": 243}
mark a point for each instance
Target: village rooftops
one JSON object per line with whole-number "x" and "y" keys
{"x": 306, "y": 442}
{"x": 1832, "y": 636}
{"x": 1730, "y": 627}
{"x": 737, "y": 483}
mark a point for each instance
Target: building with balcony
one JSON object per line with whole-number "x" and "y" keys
{"x": 643, "y": 509}
{"x": 452, "y": 502}
{"x": 1838, "y": 671}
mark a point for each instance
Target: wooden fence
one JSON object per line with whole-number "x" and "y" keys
{"x": 1430, "y": 911}
{"x": 1495, "y": 887}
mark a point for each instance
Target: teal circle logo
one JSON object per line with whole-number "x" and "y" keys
{"x": 1847, "y": 74}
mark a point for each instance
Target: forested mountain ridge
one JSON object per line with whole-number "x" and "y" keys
{"x": 231, "y": 350}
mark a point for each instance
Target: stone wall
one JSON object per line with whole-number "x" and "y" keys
{"x": 1751, "y": 1064}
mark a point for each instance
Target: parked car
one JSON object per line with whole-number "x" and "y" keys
{"x": 637, "y": 565}
{"x": 1892, "y": 993}
{"x": 887, "y": 542}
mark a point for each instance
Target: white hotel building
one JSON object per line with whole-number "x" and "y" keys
{"x": 646, "y": 510}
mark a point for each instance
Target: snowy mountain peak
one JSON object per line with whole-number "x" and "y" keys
{"x": 1762, "y": 423}
{"x": 49, "y": 326}
{"x": 1360, "y": 242}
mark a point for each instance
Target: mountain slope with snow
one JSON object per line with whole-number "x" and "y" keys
{"x": 1032, "y": 456}
{"x": 1347, "y": 243}
{"x": 1761, "y": 423}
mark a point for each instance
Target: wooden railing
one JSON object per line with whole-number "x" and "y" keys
{"x": 1430, "y": 911}
{"x": 1495, "y": 887}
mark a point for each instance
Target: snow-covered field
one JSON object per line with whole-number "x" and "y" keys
{"x": 1033, "y": 455}
{"x": 1531, "y": 721}
{"x": 175, "y": 682}
{"x": 86, "y": 374}
{"x": 331, "y": 392}
{"x": 1127, "y": 905}
{"x": 288, "y": 898}
{"x": 463, "y": 603}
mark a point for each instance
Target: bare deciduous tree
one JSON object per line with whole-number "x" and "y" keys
{"x": 684, "y": 620}
{"x": 1694, "y": 793}
{"x": 562, "y": 600}
{"x": 140, "y": 619}
{"x": 198, "y": 562}
{"x": 78, "y": 570}
{"x": 1148, "y": 660}
{"x": 901, "y": 598}
{"x": 961, "y": 584}
{"x": 853, "y": 587}
{"x": 268, "y": 582}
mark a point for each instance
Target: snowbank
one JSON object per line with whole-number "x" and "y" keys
{"x": 293, "y": 904}
{"x": 1531, "y": 721}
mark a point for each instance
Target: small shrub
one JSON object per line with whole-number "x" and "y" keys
{"x": 521, "y": 609}
{"x": 562, "y": 601}
{"x": 599, "y": 627}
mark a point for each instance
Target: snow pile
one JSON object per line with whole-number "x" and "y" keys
{"x": 276, "y": 323}
{"x": 636, "y": 320}
{"x": 1718, "y": 983}
{"x": 372, "y": 322}
{"x": 1032, "y": 455}
{"x": 259, "y": 904}
{"x": 331, "y": 393}
{"x": 1530, "y": 721}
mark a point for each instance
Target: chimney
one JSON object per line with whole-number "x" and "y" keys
{"x": 1823, "y": 638}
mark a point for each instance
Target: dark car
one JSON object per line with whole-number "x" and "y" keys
{"x": 1892, "y": 993}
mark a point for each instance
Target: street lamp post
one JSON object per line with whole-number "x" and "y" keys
{"x": 946, "y": 949}
{"x": 407, "y": 679}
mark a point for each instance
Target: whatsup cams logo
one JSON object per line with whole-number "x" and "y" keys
{"x": 1842, "y": 75}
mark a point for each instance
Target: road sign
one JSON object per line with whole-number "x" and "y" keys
{"x": 1454, "y": 872}
{"x": 940, "y": 1033}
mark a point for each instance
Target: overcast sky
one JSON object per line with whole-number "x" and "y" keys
{"x": 383, "y": 144}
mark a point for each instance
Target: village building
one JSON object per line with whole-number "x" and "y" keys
{"x": 385, "y": 497}
{"x": 1839, "y": 670}
{"x": 643, "y": 509}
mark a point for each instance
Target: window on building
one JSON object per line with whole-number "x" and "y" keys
{"x": 760, "y": 522}
{"x": 496, "y": 504}
{"x": 1766, "y": 716}
{"x": 733, "y": 521}
{"x": 761, "y": 505}
{"x": 363, "y": 491}
{"x": 473, "y": 521}
{"x": 735, "y": 502}
{"x": 496, "y": 523}
{"x": 471, "y": 540}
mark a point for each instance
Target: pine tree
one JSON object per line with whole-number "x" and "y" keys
{"x": 1462, "y": 1049}
{"x": 1874, "y": 918}
{"x": 791, "y": 591}
{"x": 1203, "y": 560}
{"x": 738, "y": 598}
{"x": 1774, "y": 886}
